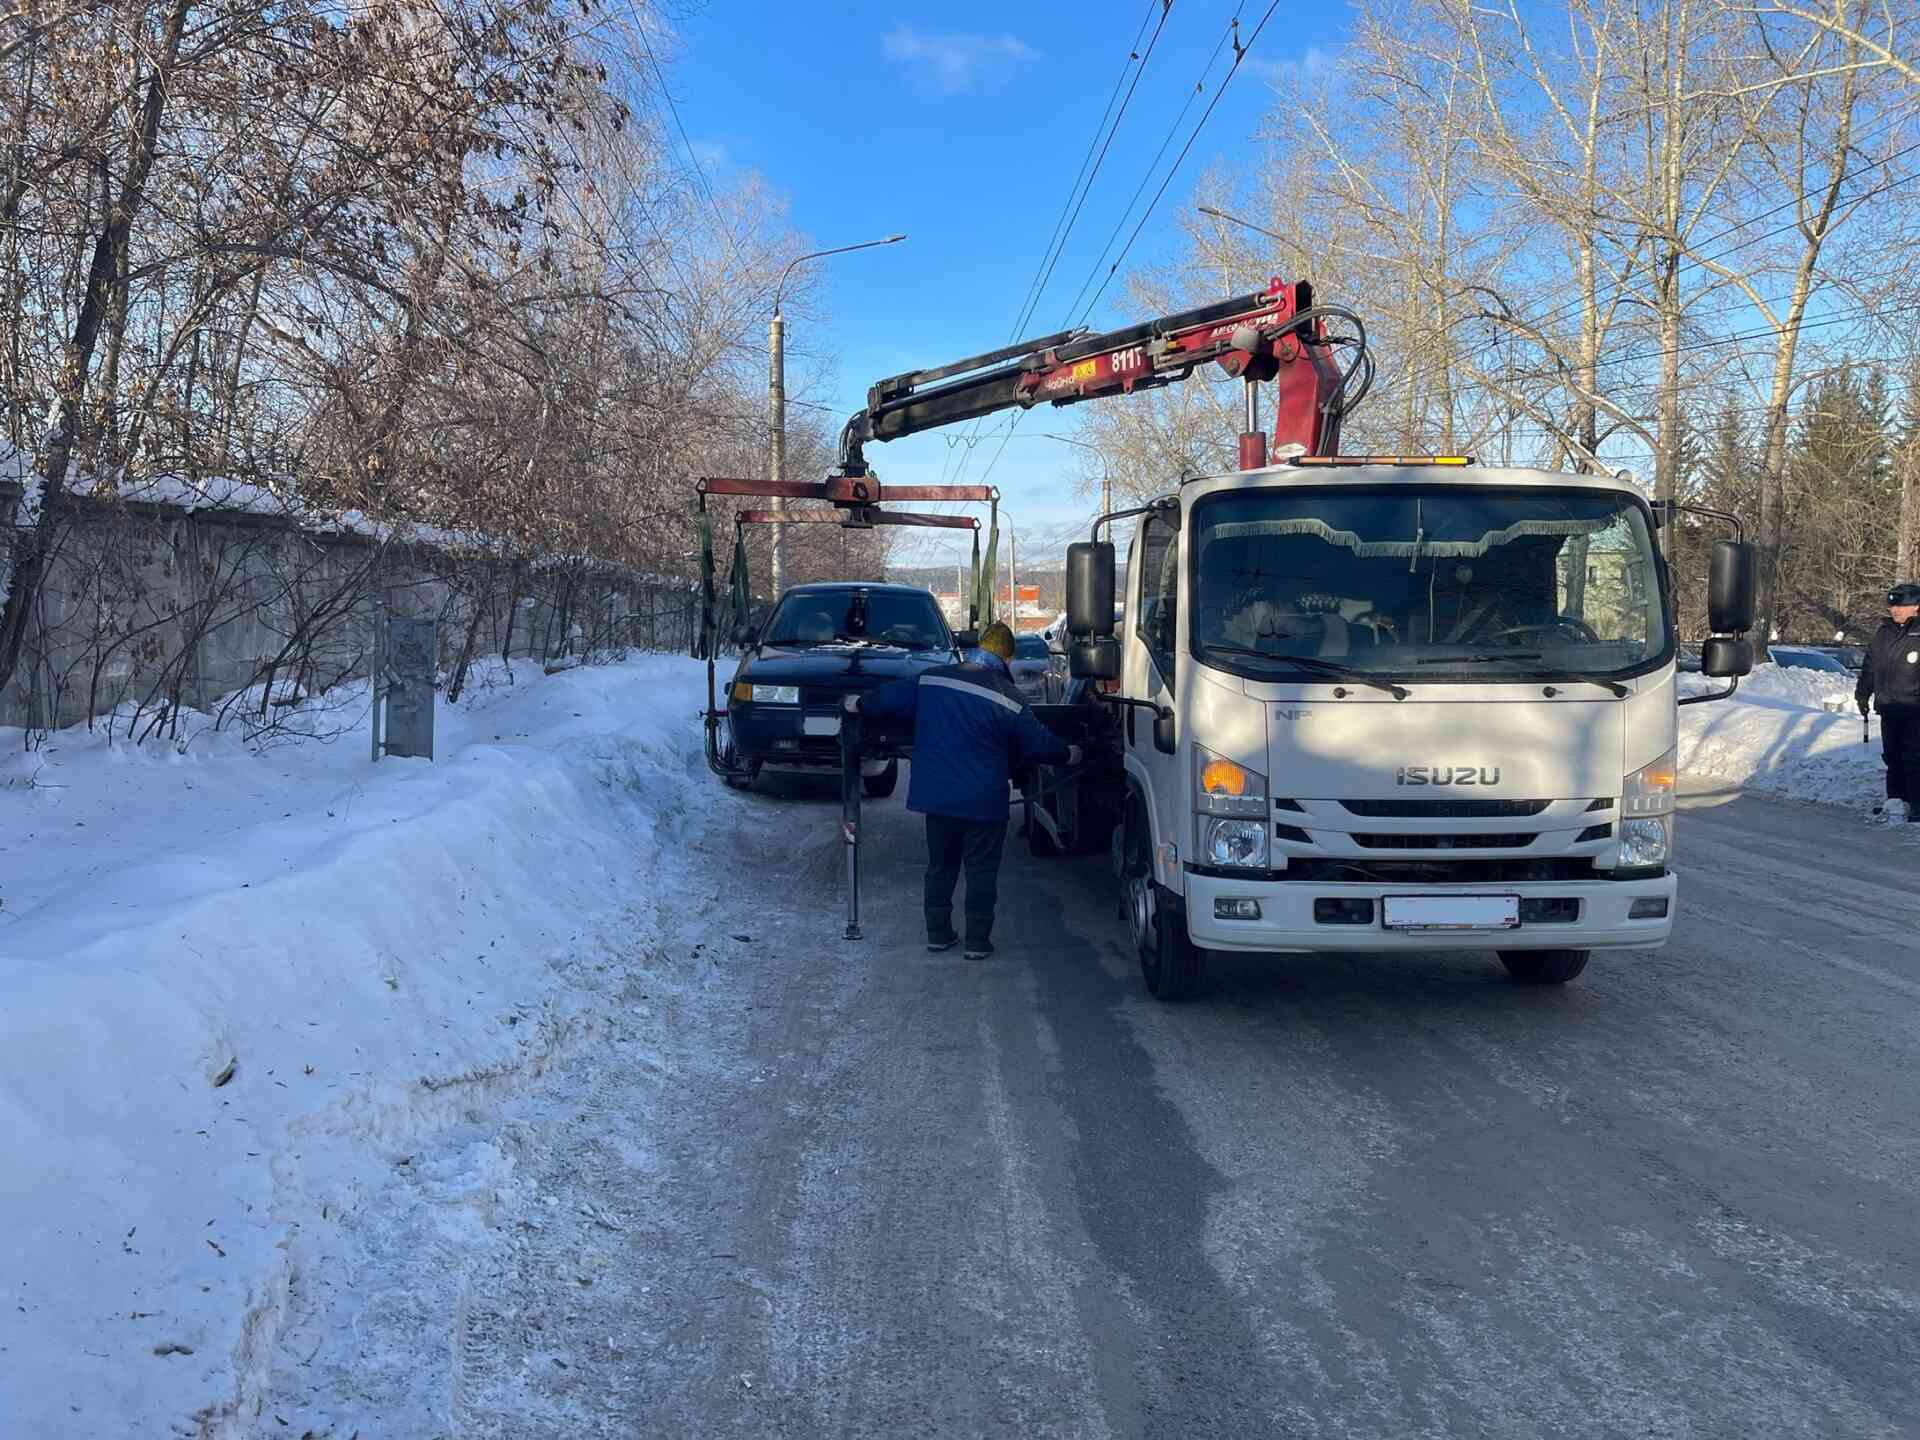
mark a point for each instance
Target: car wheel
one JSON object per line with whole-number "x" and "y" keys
{"x": 1544, "y": 967}
{"x": 878, "y": 787}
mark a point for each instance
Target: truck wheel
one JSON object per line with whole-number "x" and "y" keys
{"x": 1170, "y": 963}
{"x": 1040, "y": 842}
{"x": 878, "y": 787}
{"x": 1544, "y": 967}
{"x": 743, "y": 778}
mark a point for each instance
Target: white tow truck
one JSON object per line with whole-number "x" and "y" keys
{"x": 1380, "y": 703}
{"x": 1395, "y": 704}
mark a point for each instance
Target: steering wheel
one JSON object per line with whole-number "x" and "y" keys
{"x": 1565, "y": 624}
{"x": 908, "y": 635}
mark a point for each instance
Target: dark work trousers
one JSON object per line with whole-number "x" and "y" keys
{"x": 1900, "y": 744}
{"x": 954, "y": 844}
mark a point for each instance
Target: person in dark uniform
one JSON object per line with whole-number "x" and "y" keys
{"x": 971, "y": 730}
{"x": 1890, "y": 678}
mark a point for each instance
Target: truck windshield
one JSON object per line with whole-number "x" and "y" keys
{"x": 1427, "y": 582}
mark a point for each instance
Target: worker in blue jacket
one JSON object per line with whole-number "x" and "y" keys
{"x": 971, "y": 731}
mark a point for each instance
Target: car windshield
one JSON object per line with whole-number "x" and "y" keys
{"x": 1426, "y": 582}
{"x": 885, "y": 617}
{"x": 1030, "y": 647}
{"x": 1807, "y": 659}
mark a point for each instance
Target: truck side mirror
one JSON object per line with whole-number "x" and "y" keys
{"x": 1730, "y": 592}
{"x": 1164, "y": 740}
{"x": 1724, "y": 657}
{"x": 743, "y": 636}
{"x": 967, "y": 639}
{"x": 1097, "y": 659}
{"x": 1090, "y": 589}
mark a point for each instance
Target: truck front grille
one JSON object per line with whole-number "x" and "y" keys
{"x": 1367, "y": 871}
{"x": 1509, "y": 841}
{"x": 1445, "y": 809}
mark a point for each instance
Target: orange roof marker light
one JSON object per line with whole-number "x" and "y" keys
{"x": 1381, "y": 460}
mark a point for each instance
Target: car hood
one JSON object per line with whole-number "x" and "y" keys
{"x": 864, "y": 665}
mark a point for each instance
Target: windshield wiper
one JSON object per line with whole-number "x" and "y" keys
{"x": 1619, "y": 690}
{"x": 1311, "y": 662}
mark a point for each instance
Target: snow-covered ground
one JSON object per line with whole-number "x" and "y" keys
{"x": 228, "y": 979}
{"x": 1790, "y": 733}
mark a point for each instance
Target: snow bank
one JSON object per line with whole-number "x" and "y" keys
{"x": 225, "y": 975}
{"x": 1788, "y": 732}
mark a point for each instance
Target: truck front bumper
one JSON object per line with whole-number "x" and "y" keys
{"x": 1602, "y": 916}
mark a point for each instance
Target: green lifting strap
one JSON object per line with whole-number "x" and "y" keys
{"x": 707, "y": 648}
{"x": 983, "y": 601}
{"x": 973, "y": 585}
{"x": 739, "y": 591}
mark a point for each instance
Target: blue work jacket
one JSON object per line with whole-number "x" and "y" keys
{"x": 971, "y": 731}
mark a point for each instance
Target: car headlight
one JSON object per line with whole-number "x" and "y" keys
{"x": 1646, "y": 841}
{"x": 1649, "y": 790}
{"x": 1236, "y": 843}
{"x": 1223, "y": 787}
{"x": 766, "y": 694}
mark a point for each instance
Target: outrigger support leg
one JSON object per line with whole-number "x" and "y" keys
{"x": 850, "y": 790}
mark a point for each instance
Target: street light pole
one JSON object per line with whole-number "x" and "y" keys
{"x": 1106, "y": 475}
{"x": 777, "y": 396}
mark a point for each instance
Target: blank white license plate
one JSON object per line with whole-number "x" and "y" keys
{"x": 819, "y": 724}
{"x": 1450, "y": 912}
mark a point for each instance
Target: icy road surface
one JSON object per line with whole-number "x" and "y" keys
{"x": 812, "y": 1188}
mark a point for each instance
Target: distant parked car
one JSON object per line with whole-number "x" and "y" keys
{"x": 1806, "y": 657}
{"x": 1035, "y": 670}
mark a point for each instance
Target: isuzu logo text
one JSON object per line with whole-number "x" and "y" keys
{"x": 1447, "y": 775}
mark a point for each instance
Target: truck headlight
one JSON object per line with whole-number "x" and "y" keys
{"x": 1645, "y": 841}
{"x": 766, "y": 694}
{"x": 1649, "y": 790}
{"x": 1223, "y": 787}
{"x": 1235, "y": 843}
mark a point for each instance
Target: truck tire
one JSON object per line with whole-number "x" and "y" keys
{"x": 1544, "y": 967}
{"x": 1170, "y": 963}
{"x": 742, "y": 779}
{"x": 1040, "y": 842}
{"x": 878, "y": 787}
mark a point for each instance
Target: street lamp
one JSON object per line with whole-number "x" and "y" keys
{"x": 1236, "y": 220}
{"x": 1106, "y": 476}
{"x": 777, "y": 394}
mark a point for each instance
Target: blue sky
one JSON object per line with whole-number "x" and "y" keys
{"x": 964, "y": 127}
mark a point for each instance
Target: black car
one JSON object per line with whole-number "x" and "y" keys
{"x": 820, "y": 642}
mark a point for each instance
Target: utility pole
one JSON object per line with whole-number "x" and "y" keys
{"x": 777, "y": 434}
{"x": 777, "y": 398}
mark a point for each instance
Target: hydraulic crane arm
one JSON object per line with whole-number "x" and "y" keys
{"x": 1277, "y": 335}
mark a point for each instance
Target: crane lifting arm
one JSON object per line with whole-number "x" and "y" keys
{"x": 1278, "y": 334}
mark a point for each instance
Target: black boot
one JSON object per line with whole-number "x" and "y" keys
{"x": 979, "y": 937}
{"x": 940, "y": 934}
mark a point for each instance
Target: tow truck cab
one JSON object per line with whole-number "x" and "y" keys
{"x": 1398, "y": 707}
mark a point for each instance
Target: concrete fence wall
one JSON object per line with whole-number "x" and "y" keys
{"x": 149, "y": 608}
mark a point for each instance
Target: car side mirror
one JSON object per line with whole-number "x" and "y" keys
{"x": 743, "y": 636}
{"x": 1095, "y": 659}
{"x": 1164, "y": 740}
{"x": 1724, "y": 657}
{"x": 967, "y": 639}
{"x": 1730, "y": 590}
{"x": 1090, "y": 589}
